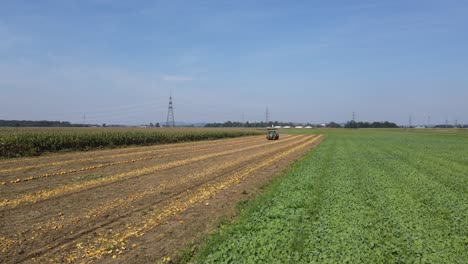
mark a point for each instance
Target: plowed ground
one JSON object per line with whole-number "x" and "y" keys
{"x": 133, "y": 205}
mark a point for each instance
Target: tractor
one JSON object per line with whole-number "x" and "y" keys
{"x": 272, "y": 134}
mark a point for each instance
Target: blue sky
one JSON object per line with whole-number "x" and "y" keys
{"x": 308, "y": 61}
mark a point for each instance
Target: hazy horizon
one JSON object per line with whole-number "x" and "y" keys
{"x": 118, "y": 62}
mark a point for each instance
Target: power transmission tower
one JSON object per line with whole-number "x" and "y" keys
{"x": 355, "y": 124}
{"x": 267, "y": 116}
{"x": 456, "y": 123}
{"x": 84, "y": 118}
{"x": 170, "y": 114}
{"x": 410, "y": 122}
{"x": 428, "y": 121}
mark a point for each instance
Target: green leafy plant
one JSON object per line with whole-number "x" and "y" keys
{"x": 364, "y": 196}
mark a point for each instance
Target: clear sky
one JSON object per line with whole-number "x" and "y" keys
{"x": 307, "y": 61}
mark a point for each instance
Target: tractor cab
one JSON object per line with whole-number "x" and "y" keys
{"x": 272, "y": 134}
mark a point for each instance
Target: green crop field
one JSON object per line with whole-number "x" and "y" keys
{"x": 362, "y": 196}
{"x": 18, "y": 142}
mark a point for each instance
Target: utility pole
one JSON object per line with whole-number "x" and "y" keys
{"x": 456, "y": 123}
{"x": 428, "y": 121}
{"x": 170, "y": 122}
{"x": 410, "y": 122}
{"x": 243, "y": 119}
{"x": 84, "y": 118}
{"x": 267, "y": 115}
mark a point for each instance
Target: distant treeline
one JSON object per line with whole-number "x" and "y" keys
{"x": 451, "y": 126}
{"x": 354, "y": 124}
{"x": 250, "y": 124}
{"x": 42, "y": 123}
{"x": 349, "y": 124}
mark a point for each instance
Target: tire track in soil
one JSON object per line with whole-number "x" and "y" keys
{"x": 216, "y": 172}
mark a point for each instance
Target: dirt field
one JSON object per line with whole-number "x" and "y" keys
{"x": 132, "y": 205}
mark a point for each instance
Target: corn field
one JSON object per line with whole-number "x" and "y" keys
{"x": 19, "y": 142}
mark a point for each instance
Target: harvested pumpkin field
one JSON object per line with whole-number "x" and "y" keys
{"x": 131, "y": 205}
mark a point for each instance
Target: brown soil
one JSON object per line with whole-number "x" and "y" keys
{"x": 133, "y": 205}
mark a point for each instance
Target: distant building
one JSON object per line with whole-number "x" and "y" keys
{"x": 277, "y": 126}
{"x": 323, "y": 125}
{"x": 286, "y": 127}
{"x": 308, "y": 127}
{"x": 298, "y": 127}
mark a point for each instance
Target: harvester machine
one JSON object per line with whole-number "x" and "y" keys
{"x": 272, "y": 134}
